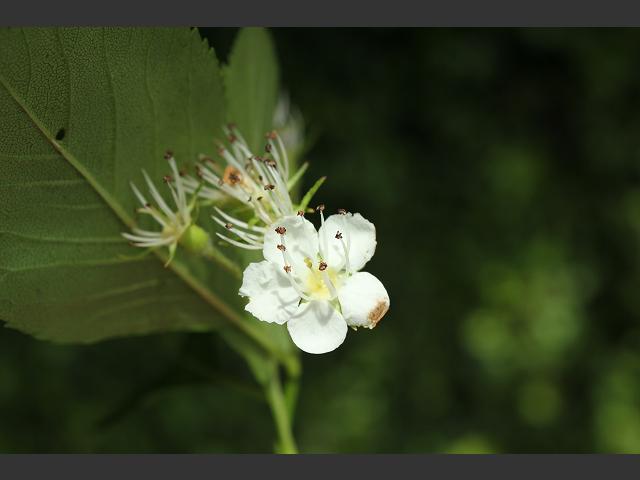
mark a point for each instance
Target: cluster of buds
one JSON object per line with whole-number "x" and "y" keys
{"x": 261, "y": 183}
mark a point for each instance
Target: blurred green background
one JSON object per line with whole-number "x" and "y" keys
{"x": 502, "y": 171}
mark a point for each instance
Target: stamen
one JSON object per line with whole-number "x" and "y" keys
{"x": 287, "y": 268}
{"x": 149, "y": 210}
{"x": 144, "y": 233}
{"x": 276, "y": 156}
{"x": 181, "y": 203}
{"x": 247, "y": 237}
{"x": 157, "y": 197}
{"x": 147, "y": 242}
{"x": 322, "y": 267}
{"x": 342, "y": 211}
{"x": 301, "y": 213}
{"x": 345, "y": 246}
{"x": 285, "y": 199}
{"x": 239, "y": 223}
{"x": 239, "y": 244}
{"x": 281, "y": 230}
{"x": 138, "y": 195}
{"x": 347, "y": 267}
{"x": 320, "y": 208}
{"x": 329, "y": 284}
{"x": 285, "y": 158}
{"x": 262, "y": 174}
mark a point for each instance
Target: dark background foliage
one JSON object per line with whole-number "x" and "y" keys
{"x": 501, "y": 168}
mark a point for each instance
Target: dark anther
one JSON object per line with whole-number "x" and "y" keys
{"x": 148, "y": 205}
{"x": 272, "y": 135}
{"x": 228, "y": 226}
{"x": 322, "y": 267}
{"x": 267, "y": 148}
{"x": 338, "y": 235}
{"x": 301, "y": 213}
{"x": 199, "y": 171}
{"x": 232, "y": 138}
{"x": 271, "y": 163}
{"x": 234, "y": 178}
{"x": 168, "y": 154}
{"x": 61, "y": 133}
{"x": 281, "y": 230}
{"x": 269, "y": 187}
{"x": 320, "y": 208}
{"x": 342, "y": 211}
{"x": 287, "y": 268}
{"x": 282, "y": 248}
{"x": 260, "y": 177}
{"x": 167, "y": 178}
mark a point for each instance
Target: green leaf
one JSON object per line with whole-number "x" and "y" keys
{"x": 251, "y": 83}
{"x": 82, "y": 110}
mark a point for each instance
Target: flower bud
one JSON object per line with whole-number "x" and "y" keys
{"x": 195, "y": 239}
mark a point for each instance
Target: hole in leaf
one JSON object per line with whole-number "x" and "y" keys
{"x": 60, "y": 135}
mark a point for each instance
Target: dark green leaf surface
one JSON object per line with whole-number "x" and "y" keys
{"x": 79, "y": 119}
{"x": 251, "y": 84}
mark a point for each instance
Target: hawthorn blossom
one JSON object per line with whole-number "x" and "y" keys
{"x": 177, "y": 223}
{"x": 261, "y": 183}
{"x": 311, "y": 280}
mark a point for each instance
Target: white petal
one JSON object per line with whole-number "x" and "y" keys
{"x": 363, "y": 299}
{"x": 301, "y": 240}
{"x": 271, "y": 297}
{"x": 358, "y": 234}
{"x": 317, "y": 327}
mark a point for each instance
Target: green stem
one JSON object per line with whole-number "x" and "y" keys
{"x": 276, "y": 400}
{"x": 291, "y": 390}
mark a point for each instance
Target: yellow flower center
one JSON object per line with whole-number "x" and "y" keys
{"x": 315, "y": 283}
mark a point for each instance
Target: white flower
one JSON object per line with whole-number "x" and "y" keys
{"x": 261, "y": 183}
{"x": 311, "y": 280}
{"x": 177, "y": 224}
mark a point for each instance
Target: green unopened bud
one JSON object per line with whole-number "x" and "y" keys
{"x": 195, "y": 239}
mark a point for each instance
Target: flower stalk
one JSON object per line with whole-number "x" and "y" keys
{"x": 281, "y": 415}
